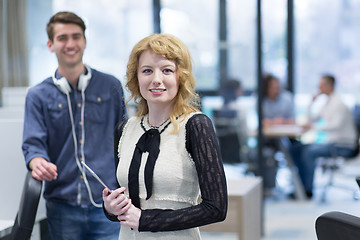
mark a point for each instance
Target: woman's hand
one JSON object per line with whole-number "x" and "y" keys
{"x": 115, "y": 202}
{"x": 131, "y": 217}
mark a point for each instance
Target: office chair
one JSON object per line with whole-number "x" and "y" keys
{"x": 332, "y": 164}
{"x": 25, "y": 218}
{"x": 337, "y": 226}
{"x": 226, "y": 131}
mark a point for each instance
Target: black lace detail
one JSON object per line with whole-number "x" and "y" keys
{"x": 203, "y": 147}
{"x": 167, "y": 122}
{"x": 160, "y": 128}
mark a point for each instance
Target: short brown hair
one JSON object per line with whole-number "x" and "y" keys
{"x": 330, "y": 79}
{"x": 66, "y": 18}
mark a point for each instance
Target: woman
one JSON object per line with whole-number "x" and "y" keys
{"x": 278, "y": 104}
{"x": 169, "y": 164}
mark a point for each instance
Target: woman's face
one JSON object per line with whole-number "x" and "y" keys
{"x": 158, "y": 79}
{"x": 274, "y": 89}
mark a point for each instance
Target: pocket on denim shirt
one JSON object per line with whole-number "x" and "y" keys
{"x": 58, "y": 112}
{"x": 97, "y": 108}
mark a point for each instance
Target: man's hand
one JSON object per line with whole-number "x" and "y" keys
{"x": 42, "y": 169}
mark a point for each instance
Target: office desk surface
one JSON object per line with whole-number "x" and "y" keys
{"x": 283, "y": 130}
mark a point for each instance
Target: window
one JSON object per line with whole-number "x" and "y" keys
{"x": 242, "y": 42}
{"x": 327, "y": 33}
{"x": 113, "y": 28}
{"x": 197, "y": 27}
{"x": 274, "y": 20}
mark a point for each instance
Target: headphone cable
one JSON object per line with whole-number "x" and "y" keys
{"x": 81, "y": 168}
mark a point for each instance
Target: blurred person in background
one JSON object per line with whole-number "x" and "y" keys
{"x": 335, "y": 123}
{"x": 278, "y": 108}
{"x": 278, "y": 103}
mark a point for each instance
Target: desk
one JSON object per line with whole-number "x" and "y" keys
{"x": 284, "y": 132}
{"x": 281, "y": 130}
{"x": 244, "y": 215}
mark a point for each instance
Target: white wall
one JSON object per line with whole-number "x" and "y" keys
{"x": 12, "y": 163}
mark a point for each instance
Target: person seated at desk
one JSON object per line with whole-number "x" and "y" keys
{"x": 338, "y": 127}
{"x": 278, "y": 108}
{"x": 278, "y": 104}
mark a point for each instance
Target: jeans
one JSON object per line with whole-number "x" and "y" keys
{"x": 68, "y": 222}
{"x": 305, "y": 156}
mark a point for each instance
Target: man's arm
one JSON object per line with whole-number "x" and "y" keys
{"x": 34, "y": 140}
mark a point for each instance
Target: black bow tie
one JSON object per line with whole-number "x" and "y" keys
{"x": 148, "y": 142}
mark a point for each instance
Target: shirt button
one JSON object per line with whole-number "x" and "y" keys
{"x": 80, "y": 141}
{"x": 79, "y": 105}
{"x": 81, "y": 177}
{"x": 80, "y": 123}
{"x": 99, "y": 99}
{"x": 60, "y": 105}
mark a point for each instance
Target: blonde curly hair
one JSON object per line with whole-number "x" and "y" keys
{"x": 186, "y": 100}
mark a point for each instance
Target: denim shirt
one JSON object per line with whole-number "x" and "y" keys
{"x": 48, "y": 133}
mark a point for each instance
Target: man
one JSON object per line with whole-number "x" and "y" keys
{"x": 69, "y": 118}
{"x": 336, "y": 123}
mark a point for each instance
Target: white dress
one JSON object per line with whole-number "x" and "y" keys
{"x": 175, "y": 184}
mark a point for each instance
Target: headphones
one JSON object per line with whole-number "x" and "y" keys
{"x": 64, "y": 86}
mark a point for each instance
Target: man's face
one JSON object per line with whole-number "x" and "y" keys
{"x": 69, "y": 44}
{"x": 325, "y": 87}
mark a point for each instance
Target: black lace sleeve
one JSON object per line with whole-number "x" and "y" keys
{"x": 117, "y": 134}
{"x": 202, "y": 145}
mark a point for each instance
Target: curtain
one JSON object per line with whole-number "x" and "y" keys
{"x": 14, "y": 64}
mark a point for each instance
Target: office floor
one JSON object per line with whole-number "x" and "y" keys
{"x": 287, "y": 219}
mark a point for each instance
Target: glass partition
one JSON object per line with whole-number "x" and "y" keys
{"x": 241, "y": 17}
